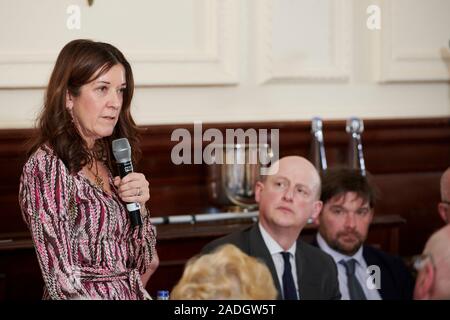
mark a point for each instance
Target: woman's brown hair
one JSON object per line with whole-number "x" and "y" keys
{"x": 80, "y": 62}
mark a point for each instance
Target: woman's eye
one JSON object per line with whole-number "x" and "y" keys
{"x": 102, "y": 89}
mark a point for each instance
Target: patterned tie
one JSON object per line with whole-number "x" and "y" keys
{"x": 289, "y": 291}
{"x": 354, "y": 287}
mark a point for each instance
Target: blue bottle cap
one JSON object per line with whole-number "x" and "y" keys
{"x": 163, "y": 294}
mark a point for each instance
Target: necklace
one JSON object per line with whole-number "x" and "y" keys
{"x": 97, "y": 178}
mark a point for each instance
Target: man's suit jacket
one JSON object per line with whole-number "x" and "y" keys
{"x": 396, "y": 280}
{"x": 316, "y": 270}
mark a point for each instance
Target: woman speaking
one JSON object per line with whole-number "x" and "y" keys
{"x": 71, "y": 196}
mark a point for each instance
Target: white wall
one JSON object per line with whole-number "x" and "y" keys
{"x": 241, "y": 60}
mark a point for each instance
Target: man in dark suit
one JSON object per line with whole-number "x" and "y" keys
{"x": 363, "y": 271}
{"x": 288, "y": 196}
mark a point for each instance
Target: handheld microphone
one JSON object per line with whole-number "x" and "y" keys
{"x": 122, "y": 152}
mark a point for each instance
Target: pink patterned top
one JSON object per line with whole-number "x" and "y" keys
{"x": 82, "y": 235}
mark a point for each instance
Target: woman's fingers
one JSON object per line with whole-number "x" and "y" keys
{"x": 134, "y": 187}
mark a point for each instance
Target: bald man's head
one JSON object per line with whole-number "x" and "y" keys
{"x": 438, "y": 244}
{"x": 444, "y": 205}
{"x": 288, "y": 197}
{"x": 296, "y": 164}
{"x": 433, "y": 280}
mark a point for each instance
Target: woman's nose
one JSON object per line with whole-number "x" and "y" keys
{"x": 115, "y": 99}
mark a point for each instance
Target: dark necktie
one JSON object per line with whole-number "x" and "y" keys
{"x": 289, "y": 291}
{"x": 354, "y": 287}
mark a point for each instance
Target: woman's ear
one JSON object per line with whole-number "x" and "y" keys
{"x": 69, "y": 101}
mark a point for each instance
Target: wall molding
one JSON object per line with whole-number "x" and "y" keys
{"x": 404, "y": 64}
{"x": 214, "y": 64}
{"x": 340, "y": 39}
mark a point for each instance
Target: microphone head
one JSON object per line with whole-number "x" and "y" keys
{"x": 121, "y": 150}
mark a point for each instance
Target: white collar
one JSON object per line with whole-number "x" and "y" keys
{"x": 272, "y": 245}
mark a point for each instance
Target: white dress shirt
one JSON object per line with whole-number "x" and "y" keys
{"x": 360, "y": 271}
{"x": 275, "y": 251}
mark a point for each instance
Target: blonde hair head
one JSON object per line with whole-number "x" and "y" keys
{"x": 226, "y": 273}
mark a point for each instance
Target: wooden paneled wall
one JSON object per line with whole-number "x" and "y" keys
{"x": 406, "y": 157}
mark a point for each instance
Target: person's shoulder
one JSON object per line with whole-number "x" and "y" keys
{"x": 320, "y": 268}
{"x": 369, "y": 250}
{"x": 393, "y": 270}
{"x": 237, "y": 238}
{"x": 314, "y": 252}
{"x": 43, "y": 159}
{"x": 42, "y": 153}
{"x": 372, "y": 253}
